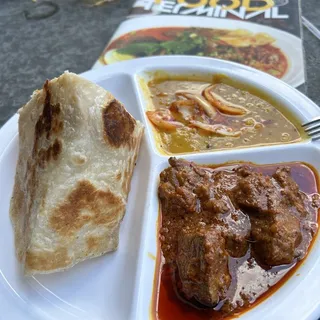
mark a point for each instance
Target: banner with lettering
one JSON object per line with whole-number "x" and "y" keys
{"x": 263, "y": 34}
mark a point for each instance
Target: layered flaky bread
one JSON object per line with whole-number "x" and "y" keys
{"x": 77, "y": 150}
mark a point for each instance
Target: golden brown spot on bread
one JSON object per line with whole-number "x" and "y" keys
{"x": 92, "y": 243}
{"x": 42, "y": 157}
{"x": 118, "y": 176}
{"x": 47, "y": 260}
{"x": 49, "y": 120}
{"x": 57, "y": 125}
{"x": 56, "y": 149}
{"x": 44, "y": 149}
{"x": 86, "y": 204}
{"x": 60, "y": 126}
{"x": 118, "y": 124}
{"x": 46, "y": 155}
{"x": 43, "y": 124}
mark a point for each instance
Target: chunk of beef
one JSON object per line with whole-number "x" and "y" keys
{"x": 292, "y": 196}
{"x": 236, "y": 231}
{"x": 209, "y": 199}
{"x": 176, "y": 187}
{"x": 274, "y": 229}
{"x": 224, "y": 181}
{"x": 202, "y": 263}
{"x": 179, "y": 200}
{"x": 256, "y": 193}
{"x": 215, "y": 205}
{"x": 179, "y": 204}
{"x": 187, "y": 173}
{"x": 300, "y": 205}
{"x": 210, "y": 215}
{"x": 276, "y": 238}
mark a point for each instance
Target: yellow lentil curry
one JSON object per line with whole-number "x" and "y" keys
{"x": 191, "y": 115}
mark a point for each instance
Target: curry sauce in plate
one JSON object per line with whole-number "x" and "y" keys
{"x": 230, "y": 236}
{"x": 190, "y": 115}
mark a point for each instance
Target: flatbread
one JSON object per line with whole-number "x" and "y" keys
{"x": 77, "y": 150}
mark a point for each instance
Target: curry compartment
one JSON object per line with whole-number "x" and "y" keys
{"x": 194, "y": 113}
{"x": 245, "y": 276}
{"x": 231, "y": 234}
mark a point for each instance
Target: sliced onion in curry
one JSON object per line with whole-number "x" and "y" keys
{"x": 219, "y": 129}
{"x": 206, "y": 106}
{"x": 163, "y": 119}
{"x": 222, "y": 104}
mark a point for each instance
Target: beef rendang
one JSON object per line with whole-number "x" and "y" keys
{"x": 231, "y": 235}
{"x": 191, "y": 115}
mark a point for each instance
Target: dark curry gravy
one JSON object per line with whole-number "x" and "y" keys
{"x": 251, "y": 284}
{"x": 262, "y": 124}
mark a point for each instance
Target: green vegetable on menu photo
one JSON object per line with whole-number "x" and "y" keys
{"x": 186, "y": 43}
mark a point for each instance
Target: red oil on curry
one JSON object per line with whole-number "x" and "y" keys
{"x": 166, "y": 303}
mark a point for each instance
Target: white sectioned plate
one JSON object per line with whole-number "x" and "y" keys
{"x": 119, "y": 285}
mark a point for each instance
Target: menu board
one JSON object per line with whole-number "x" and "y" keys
{"x": 263, "y": 34}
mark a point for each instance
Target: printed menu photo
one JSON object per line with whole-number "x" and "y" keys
{"x": 263, "y": 34}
